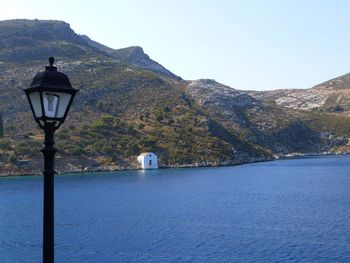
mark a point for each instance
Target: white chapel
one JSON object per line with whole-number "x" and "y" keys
{"x": 148, "y": 160}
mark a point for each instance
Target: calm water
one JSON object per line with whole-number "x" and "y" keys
{"x": 282, "y": 211}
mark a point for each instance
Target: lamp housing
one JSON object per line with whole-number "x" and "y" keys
{"x": 50, "y": 96}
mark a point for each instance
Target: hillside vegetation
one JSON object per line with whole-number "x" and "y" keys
{"x": 129, "y": 104}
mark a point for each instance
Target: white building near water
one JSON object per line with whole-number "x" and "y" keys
{"x": 148, "y": 160}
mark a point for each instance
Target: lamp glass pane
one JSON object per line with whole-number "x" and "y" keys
{"x": 63, "y": 104}
{"x": 36, "y": 104}
{"x": 51, "y": 102}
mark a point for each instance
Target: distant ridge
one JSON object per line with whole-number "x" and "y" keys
{"x": 332, "y": 96}
{"x": 132, "y": 55}
{"x": 23, "y": 39}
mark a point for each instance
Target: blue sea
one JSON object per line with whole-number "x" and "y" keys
{"x": 281, "y": 211}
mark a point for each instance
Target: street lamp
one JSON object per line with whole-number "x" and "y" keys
{"x": 50, "y": 96}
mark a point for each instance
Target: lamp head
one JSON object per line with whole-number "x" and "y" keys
{"x": 50, "y": 96}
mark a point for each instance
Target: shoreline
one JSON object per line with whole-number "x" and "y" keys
{"x": 195, "y": 165}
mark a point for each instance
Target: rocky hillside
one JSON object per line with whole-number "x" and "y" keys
{"x": 129, "y": 103}
{"x": 281, "y": 130}
{"x": 134, "y": 56}
{"x": 330, "y": 96}
{"x": 22, "y": 41}
{"x": 122, "y": 108}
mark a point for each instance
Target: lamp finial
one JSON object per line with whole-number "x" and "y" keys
{"x": 51, "y": 61}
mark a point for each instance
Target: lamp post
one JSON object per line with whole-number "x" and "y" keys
{"x": 50, "y": 96}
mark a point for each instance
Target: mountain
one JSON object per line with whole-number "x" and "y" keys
{"x": 26, "y": 40}
{"x": 134, "y": 56}
{"x": 268, "y": 126}
{"x": 331, "y": 96}
{"x": 129, "y": 103}
{"x": 120, "y": 111}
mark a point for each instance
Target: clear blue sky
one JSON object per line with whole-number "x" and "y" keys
{"x": 245, "y": 44}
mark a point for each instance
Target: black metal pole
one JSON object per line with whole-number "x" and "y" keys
{"x": 49, "y": 171}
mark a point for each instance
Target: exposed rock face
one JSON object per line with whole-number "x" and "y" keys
{"x": 342, "y": 82}
{"x": 330, "y": 96}
{"x": 230, "y": 102}
{"x": 132, "y": 55}
{"x": 295, "y": 99}
{"x": 136, "y": 57}
{"x": 210, "y": 92}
